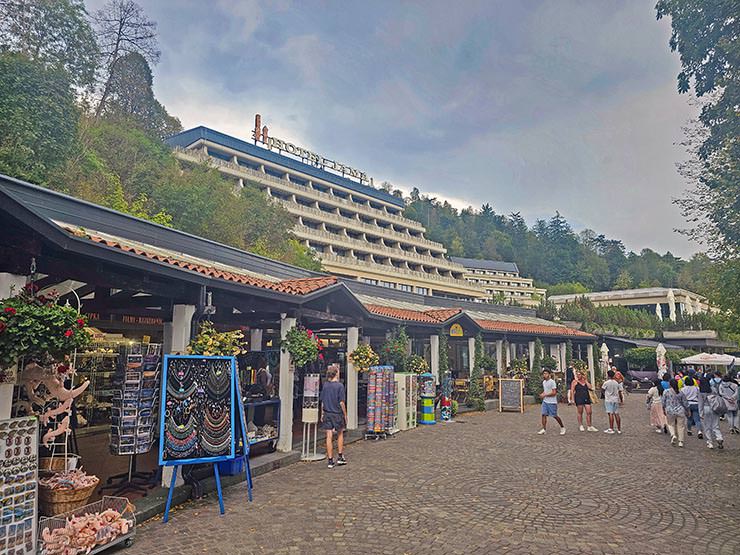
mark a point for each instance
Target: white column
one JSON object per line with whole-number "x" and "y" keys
{"x": 531, "y": 348}
{"x": 434, "y": 356}
{"x": 590, "y": 358}
{"x": 471, "y": 354}
{"x": 285, "y": 441}
{"x": 508, "y": 354}
{"x": 500, "y": 358}
{"x": 176, "y": 339}
{"x": 563, "y": 362}
{"x": 353, "y": 335}
{"x": 10, "y": 284}
{"x": 255, "y": 340}
{"x": 512, "y": 348}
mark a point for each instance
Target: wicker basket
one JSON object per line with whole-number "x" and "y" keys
{"x": 56, "y": 501}
{"x": 56, "y": 463}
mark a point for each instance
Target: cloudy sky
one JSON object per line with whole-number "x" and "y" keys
{"x": 530, "y": 106}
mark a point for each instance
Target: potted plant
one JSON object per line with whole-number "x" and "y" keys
{"x": 395, "y": 350}
{"x": 416, "y": 364}
{"x": 35, "y": 329}
{"x": 363, "y": 357}
{"x": 210, "y": 342}
{"x": 303, "y": 346}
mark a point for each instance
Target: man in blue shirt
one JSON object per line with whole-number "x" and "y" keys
{"x": 333, "y": 415}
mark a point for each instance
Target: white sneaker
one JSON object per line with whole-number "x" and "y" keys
{"x": 582, "y": 428}
{"x": 673, "y": 440}
{"x": 541, "y": 432}
{"x": 709, "y": 444}
{"x": 657, "y": 431}
{"x": 609, "y": 431}
{"x": 680, "y": 443}
{"x": 592, "y": 429}
{"x": 619, "y": 431}
{"x": 562, "y": 431}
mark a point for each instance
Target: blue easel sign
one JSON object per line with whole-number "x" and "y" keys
{"x": 197, "y": 421}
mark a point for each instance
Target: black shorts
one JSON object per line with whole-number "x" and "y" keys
{"x": 333, "y": 421}
{"x": 583, "y": 401}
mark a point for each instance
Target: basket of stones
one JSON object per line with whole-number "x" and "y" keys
{"x": 60, "y": 492}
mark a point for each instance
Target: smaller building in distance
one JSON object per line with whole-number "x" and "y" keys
{"x": 501, "y": 280}
{"x": 664, "y": 302}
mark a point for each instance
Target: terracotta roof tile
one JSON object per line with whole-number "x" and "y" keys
{"x": 301, "y": 286}
{"x": 534, "y": 329}
{"x": 402, "y": 314}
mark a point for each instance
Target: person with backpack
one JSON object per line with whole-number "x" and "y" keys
{"x": 729, "y": 392}
{"x": 711, "y": 407}
{"x": 676, "y": 409}
{"x": 691, "y": 392}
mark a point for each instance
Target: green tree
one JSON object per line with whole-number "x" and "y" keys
{"x": 569, "y": 352}
{"x": 475, "y": 392}
{"x": 131, "y": 98}
{"x": 534, "y": 380}
{"x": 623, "y": 281}
{"x": 567, "y": 288}
{"x": 38, "y": 118}
{"x": 55, "y": 33}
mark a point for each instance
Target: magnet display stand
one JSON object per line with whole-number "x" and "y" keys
{"x": 190, "y": 387}
{"x": 19, "y": 440}
{"x": 310, "y": 417}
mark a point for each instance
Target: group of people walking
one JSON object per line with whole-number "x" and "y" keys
{"x": 698, "y": 400}
{"x": 581, "y": 392}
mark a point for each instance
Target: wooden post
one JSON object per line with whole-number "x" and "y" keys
{"x": 10, "y": 284}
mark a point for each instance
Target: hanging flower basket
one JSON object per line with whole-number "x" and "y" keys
{"x": 303, "y": 346}
{"x": 35, "y": 328}
{"x": 363, "y": 357}
{"x": 210, "y": 342}
{"x": 416, "y": 364}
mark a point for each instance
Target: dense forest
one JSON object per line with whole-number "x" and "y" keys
{"x": 551, "y": 252}
{"x": 78, "y": 114}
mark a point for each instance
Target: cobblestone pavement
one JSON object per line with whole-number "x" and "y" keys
{"x": 487, "y": 484}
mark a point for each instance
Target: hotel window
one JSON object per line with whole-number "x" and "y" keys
{"x": 368, "y": 280}
{"x": 387, "y": 284}
{"x": 404, "y": 287}
{"x": 422, "y": 290}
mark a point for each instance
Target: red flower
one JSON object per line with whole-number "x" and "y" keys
{"x": 68, "y": 333}
{"x": 2, "y": 327}
{"x": 10, "y": 310}
{"x": 32, "y": 287}
{"x": 62, "y": 369}
{"x": 42, "y": 299}
{"x": 309, "y": 333}
{"x": 81, "y": 322}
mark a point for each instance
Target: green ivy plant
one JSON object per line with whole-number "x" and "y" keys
{"x": 210, "y": 342}
{"x": 36, "y": 328}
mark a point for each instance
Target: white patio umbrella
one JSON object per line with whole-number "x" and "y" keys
{"x": 658, "y": 312}
{"x": 711, "y": 359}
{"x": 604, "y": 360}
{"x": 671, "y": 305}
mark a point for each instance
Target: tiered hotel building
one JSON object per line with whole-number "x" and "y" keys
{"x": 501, "y": 279}
{"x": 356, "y": 230}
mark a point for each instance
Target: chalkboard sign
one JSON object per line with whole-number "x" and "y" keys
{"x": 197, "y": 410}
{"x": 510, "y": 395}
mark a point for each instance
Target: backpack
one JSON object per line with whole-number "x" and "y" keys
{"x": 717, "y": 404}
{"x": 729, "y": 394}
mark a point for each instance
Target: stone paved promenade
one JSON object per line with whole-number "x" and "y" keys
{"x": 485, "y": 485}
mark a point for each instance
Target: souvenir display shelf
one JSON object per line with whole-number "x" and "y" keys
{"x": 118, "y": 504}
{"x": 381, "y": 392}
{"x": 258, "y": 435}
{"x": 406, "y": 400}
{"x": 93, "y": 407}
{"x": 19, "y": 441}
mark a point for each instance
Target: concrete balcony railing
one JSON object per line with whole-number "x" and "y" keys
{"x": 359, "y": 226}
{"x": 342, "y": 241}
{"x": 291, "y": 188}
{"x": 389, "y": 271}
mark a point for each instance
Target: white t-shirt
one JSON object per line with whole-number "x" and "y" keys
{"x": 611, "y": 391}
{"x": 548, "y": 386}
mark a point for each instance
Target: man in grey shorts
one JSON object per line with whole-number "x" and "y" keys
{"x": 333, "y": 416}
{"x": 613, "y": 397}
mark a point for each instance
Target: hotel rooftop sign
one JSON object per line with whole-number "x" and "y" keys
{"x": 260, "y": 134}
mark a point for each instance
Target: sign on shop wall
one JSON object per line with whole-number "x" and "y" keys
{"x": 456, "y": 330}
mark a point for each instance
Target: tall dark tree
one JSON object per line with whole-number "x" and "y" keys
{"x": 131, "y": 97}
{"x": 122, "y": 28}
{"x": 53, "y": 32}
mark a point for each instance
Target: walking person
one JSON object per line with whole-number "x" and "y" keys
{"x": 676, "y": 409}
{"x": 569, "y": 378}
{"x": 708, "y": 386}
{"x": 333, "y": 416}
{"x": 613, "y": 398}
{"x": 549, "y": 398}
{"x": 691, "y": 391}
{"x": 580, "y": 392}
{"x": 729, "y": 391}
{"x": 655, "y": 405}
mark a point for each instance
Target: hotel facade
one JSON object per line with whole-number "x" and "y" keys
{"x": 356, "y": 230}
{"x": 502, "y": 280}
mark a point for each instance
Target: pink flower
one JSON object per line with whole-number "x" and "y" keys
{"x": 309, "y": 333}
{"x": 68, "y": 333}
{"x": 321, "y": 357}
{"x": 81, "y": 322}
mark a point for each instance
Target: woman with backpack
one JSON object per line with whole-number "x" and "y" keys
{"x": 728, "y": 390}
{"x": 676, "y": 409}
{"x": 654, "y": 405}
{"x": 711, "y": 407}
